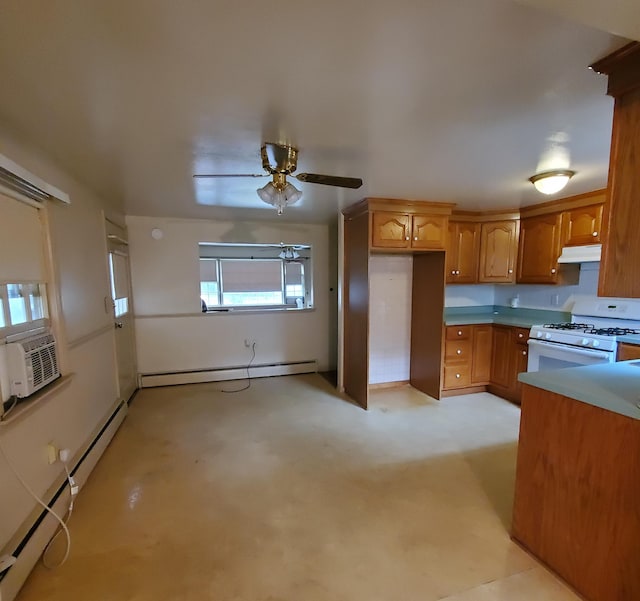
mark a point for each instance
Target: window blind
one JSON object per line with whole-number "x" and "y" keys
{"x": 21, "y": 242}
{"x": 251, "y": 275}
{"x": 293, "y": 274}
{"x": 208, "y": 272}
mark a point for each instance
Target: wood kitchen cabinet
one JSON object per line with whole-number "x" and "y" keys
{"x": 498, "y": 251}
{"x": 540, "y": 245}
{"x": 404, "y": 231}
{"x": 467, "y": 356}
{"x": 627, "y": 352}
{"x": 621, "y": 245}
{"x": 584, "y": 225}
{"x": 463, "y": 245}
{"x": 509, "y": 358}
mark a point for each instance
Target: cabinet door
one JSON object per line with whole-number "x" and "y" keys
{"x": 467, "y": 242}
{"x": 500, "y": 363}
{"x": 540, "y": 239}
{"x": 481, "y": 354}
{"x": 429, "y": 232}
{"x": 451, "y": 265}
{"x": 498, "y": 251}
{"x": 390, "y": 230}
{"x": 584, "y": 226}
{"x": 520, "y": 358}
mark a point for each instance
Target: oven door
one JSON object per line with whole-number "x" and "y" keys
{"x": 544, "y": 356}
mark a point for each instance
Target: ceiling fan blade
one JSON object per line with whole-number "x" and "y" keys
{"x": 329, "y": 180}
{"x": 212, "y": 175}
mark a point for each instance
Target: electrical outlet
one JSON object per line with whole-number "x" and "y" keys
{"x": 555, "y": 300}
{"x": 52, "y": 453}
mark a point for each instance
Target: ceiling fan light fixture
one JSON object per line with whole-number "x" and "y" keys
{"x": 279, "y": 198}
{"x": 550, "y": 182}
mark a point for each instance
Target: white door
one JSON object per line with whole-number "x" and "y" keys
{"x": 121, "y": 302}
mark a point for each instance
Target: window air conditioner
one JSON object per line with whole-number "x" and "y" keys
{"x": 33, "y": 363}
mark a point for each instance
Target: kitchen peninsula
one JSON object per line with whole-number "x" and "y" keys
{"x": 578, "y": 477}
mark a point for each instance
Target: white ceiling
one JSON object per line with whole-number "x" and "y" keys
{"x": 450, "y": 100}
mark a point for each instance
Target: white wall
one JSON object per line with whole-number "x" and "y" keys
{"x": 390, "y": 286}
{"x": 71, "y": 416}
{"x": 173, "y": 335}
{"x": 555, "y": 298}
{"x": 531, "y": 296}
{"x": 469, "y": 296}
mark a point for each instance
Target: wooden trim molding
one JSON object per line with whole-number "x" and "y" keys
{"x": 565, "y": 204}
{"x": 623, "y": 69}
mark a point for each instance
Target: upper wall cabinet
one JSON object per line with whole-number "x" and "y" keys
{"x": 498, "y": 251}
{"x": 462, "y": 252}
{"x": 584, "y": 225}
{"x": 405, "y": 225}
{"x": 540, "y": 245}
{"x": 405, "y": 231}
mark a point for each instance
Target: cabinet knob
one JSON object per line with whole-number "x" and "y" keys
{"x": 594, "y": 234}
{"x": 453, "y": 272}
{"x": 459, "y": 352}
{"x": 457, "y": 375}
{"x": 553, "y": 271}
{"x": 406, "y": 237}
{"x": 511, "y": 271}
{"x": 521, "y": 335}
{"x": 416, "y": 237}
{"x": 457, "y": 272}
{"x": 524, "y": 352}
{"x": 459, "y": 332}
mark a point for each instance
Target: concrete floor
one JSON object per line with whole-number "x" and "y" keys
{"x": 285, "y": 492}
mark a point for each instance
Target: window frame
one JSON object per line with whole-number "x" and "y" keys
{"x": 30, "y": 323}
{"x": 247, "y": 252}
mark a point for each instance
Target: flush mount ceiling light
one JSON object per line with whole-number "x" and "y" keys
{"x": 550, "y": 182}
{"x": 279, "y": 193}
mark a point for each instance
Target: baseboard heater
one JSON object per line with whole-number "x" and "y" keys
{"x": 198, "y": 376}
{"x": 31, "y": 546}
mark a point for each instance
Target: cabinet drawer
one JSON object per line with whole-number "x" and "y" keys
{"x": 457, "y": 375}
{"x": 520, "y": 335}
{"x": 457, "y": 350}
{"x": 458, "y": 332}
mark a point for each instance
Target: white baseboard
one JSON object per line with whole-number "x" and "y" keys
{"x": 30, "y": 553}
{"x": 227, "y": 373}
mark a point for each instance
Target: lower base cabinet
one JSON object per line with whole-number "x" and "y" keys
{"x": 485, "y": 357}
{"x": 467, "y": 356}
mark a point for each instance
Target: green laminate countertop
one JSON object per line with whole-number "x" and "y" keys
{"x": 506, "y": 316}
{"x": 611, "y": 386}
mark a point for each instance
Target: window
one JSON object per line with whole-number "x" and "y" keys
{"x": 255, "y": 276}
{"x": 23, "y": 304}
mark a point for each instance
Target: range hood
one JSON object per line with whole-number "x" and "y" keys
{"x": 580, "y": 254}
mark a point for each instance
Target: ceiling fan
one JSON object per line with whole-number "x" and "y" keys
{"x": 280, "y": 161}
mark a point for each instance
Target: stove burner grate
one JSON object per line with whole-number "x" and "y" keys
{"x": 568, "y": 326}
{"x": 612, "y": 331}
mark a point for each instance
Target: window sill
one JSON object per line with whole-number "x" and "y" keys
{"x": 35, "y": 399}
{"x": 235, "y": 311}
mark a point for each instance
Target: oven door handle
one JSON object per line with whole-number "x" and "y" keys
{"x": 574, "y": 349}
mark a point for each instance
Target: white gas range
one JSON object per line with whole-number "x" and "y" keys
{"x": 590, "y": 337}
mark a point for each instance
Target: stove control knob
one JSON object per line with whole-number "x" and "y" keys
{"x": 585, "y": 342}
{"x": 548, "y": 336}
{"x": 596, "y": 343}
{"x": 539, "y": 334}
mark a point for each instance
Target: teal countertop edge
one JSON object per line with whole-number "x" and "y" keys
{"x": 521, "y": 317}
{"x": 614, "y": 387}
